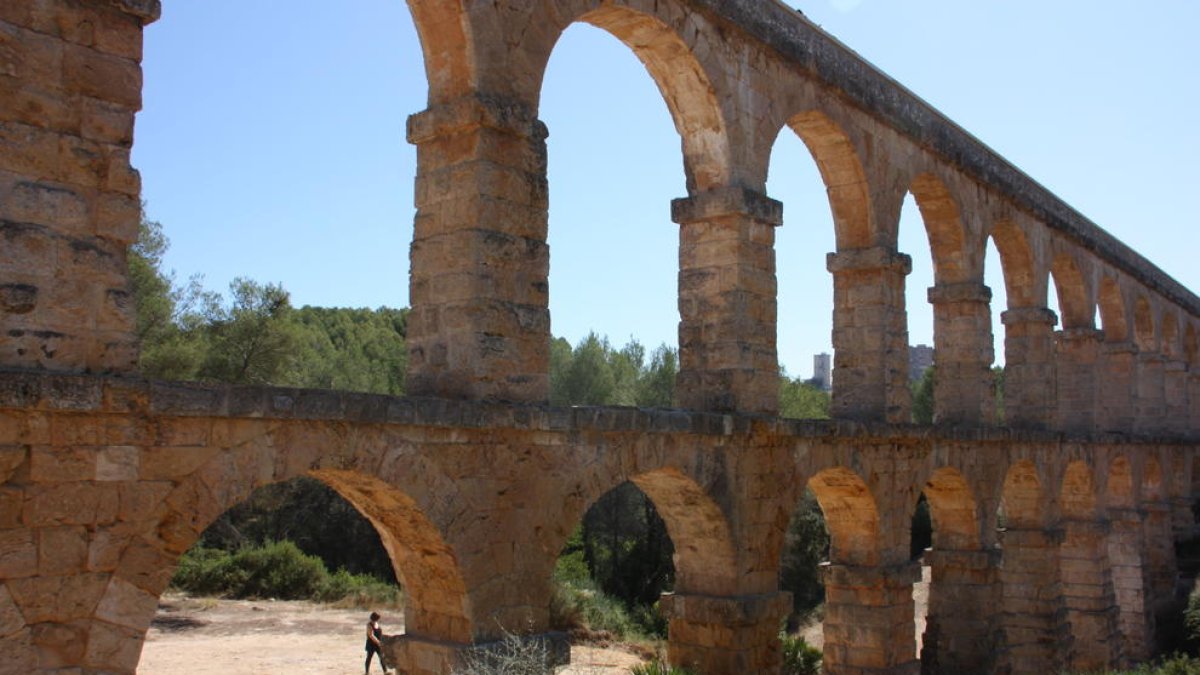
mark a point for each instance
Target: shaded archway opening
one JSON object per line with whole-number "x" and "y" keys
{"x": 945, "y": 536}
{"x": 656, "y": 534}
{"x": 805, "y": 550}
{"x": 330, "y": 536}
{"x": 805, "y": 286}
{"x": 612, "y": 570}
{"x": 588, "y": 149}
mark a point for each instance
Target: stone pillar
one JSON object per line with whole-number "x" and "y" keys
{"x": 1078, "y": 353}
{"x": 1029, "y": 389}
{"x": 869, "y": 619}
{"x": 1149, "y": 403}
{"x": 70, "y": 84}
{"x": 1116, "y": 407}
{"x": 416, "y": 655}
{"x": 963, "y": 353}
{"x": 1033, "y": 620}
{"x": 1087, "y": 591}
{"x": 1129, "y": 575}
{"x": 727, "y": 295}
{"x": 870, "y": 335}
{"x": 1175, "y": 394}
{"x": 712, "y": 635}
{"x": 960, "y": 631}
{"x": 1160, "y": 553}
{"x": 480, "y": 321}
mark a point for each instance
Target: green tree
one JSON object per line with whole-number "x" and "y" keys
{"x": 171, "y": 347}
{"x": 800, "y": 399}
{"x": 255, "y": 339}
{"x": 587, "y": 378}
{"x": 656, "y": 386}
{"x": 922, "y": 397}
{"x": 806, "y": 545}
{"x": 352, "y": 349}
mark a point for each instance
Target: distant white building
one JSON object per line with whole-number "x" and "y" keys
{"x": 823, "y": 371}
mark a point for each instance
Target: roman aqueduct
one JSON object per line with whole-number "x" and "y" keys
{"x": 474, "y": 483}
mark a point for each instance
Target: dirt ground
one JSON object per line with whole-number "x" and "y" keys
{"x": 204, "y": 636}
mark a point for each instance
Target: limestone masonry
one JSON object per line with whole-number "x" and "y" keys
{"x": 474, "y": 483}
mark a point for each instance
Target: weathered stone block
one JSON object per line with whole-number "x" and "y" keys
{"x": 62, "y": 550}
{"x": 18, "y": 554}
{"x": 103, "y": 76}
{"x": 58, "y": 599}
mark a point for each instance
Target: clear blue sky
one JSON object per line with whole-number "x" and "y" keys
{"x": 272, "y": 146}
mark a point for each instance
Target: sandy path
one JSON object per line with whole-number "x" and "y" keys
{"x": 226, "y": 637}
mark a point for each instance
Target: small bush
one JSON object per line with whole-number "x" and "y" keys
{"x": 203, "y": 571}
{"x": 581, "y": 606}
{"x": 358, "y": 590}
{"x": 512, "y": 656}
{"x": 279, "y": 570}
{"x": 799, "y": 657}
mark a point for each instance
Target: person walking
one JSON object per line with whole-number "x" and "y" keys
{"x": 374, "y": 644}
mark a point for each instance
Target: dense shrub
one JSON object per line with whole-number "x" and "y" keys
{"x": 799, "y": 657}
{"x": 276, "y": 570}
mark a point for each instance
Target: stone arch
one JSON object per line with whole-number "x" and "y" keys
{"x": 1120, "y": 484}
{"x": 1021, "y": 496}
{"x": 944, "y": 226}
{"x": 1170, "y": 334}
{"x": 426, "y": 565}
{"x": 955, "y": 513}
{"x": 1020, "y": 278}
{"x": 1143, "y": 324}
{"x": 685, "y": 84}
{"x": 1077, "y": 310}
{"x": 422, "y": 558}
{"x": 1077, "y": 499}
{"x": 842, "y": 171}
{"x": 705, "y": 559}
{"x": 443, "y": 29}
{"x": 851, "y": 515}
{"x": 1112, "y": 311}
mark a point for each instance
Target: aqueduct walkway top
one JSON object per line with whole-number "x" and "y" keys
{"x": 474, "y": 483}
